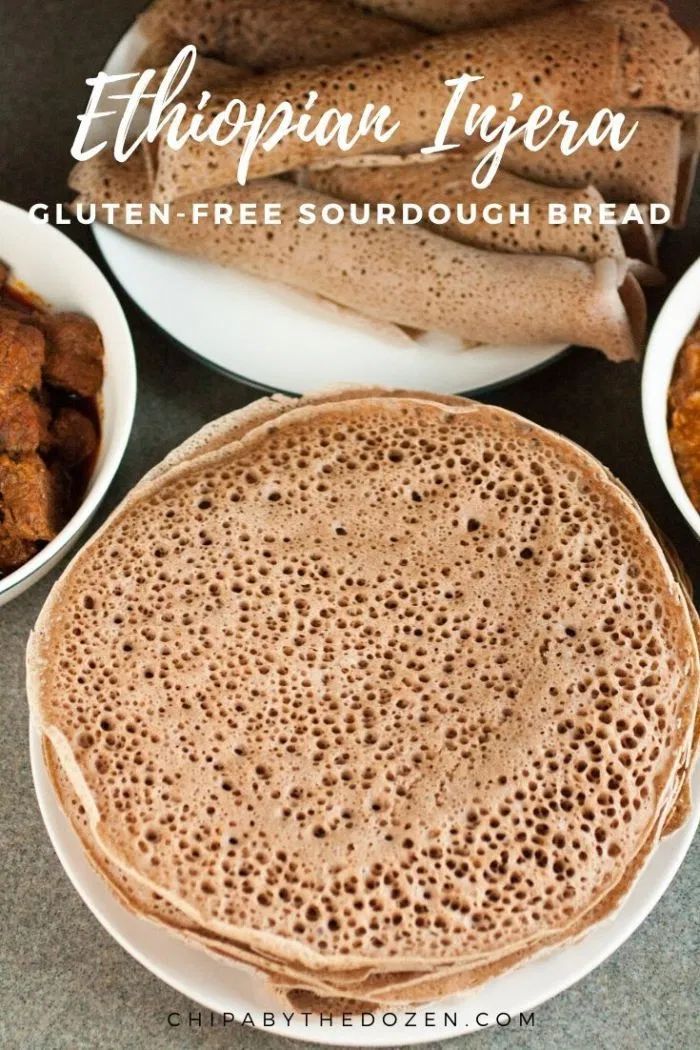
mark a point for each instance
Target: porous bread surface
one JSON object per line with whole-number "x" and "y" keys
{"x": 510, "y": 58}
{"x": 128, "y": 890}
{"x": 448, "y": 182}
{"x": 454, "y": 979}
{"x": 144, "y": 903}
{"x": 368, "y": 784}
{"x": 645, "y": 171}
{"x": 295, "y": 981}
{"x": 208, "y": 74}
{"x": 397, "y": 274}
{"x": 232, "y": 426}
{"x": 441, "y": 15}
{"x": 661, "y": 64}
{"x": 387, "y": 987}
{"x": 276, "y": 34}
{"x": 610, "y": 53}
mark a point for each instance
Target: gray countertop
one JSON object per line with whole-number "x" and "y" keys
{"x": 64, "y": 982}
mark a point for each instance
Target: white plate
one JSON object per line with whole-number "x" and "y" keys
{"x": 227, "y": 988}
{"x": 274, "y": 338}
{"x": 680, "y": 313}
{"x": 56, "y": 269}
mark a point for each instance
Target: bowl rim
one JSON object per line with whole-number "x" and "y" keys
{"x": 103, "y": 474}
{"x": 672, "y": 326}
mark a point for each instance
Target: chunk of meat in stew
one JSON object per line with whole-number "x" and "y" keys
{"x": 24, "y": 422}
{"x": 31, "y": 498}
{"x": 22, "y": 349}
{"x": 14, "y": 551}
{"x": 51, "y": 370}
{"x": 74, "y": 353}
{"x": 74, "y": 436}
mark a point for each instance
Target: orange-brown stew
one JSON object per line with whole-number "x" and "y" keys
{"x": 51, "y": 372}
{"x": 684, "y": 415}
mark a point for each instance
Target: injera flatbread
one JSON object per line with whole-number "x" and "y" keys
{"x": 389, "y": 986}
{"x": 636, "y": 812}
{"x": 394, "y": 274}
{"x": 209, "y": 438}
{"x": 657, "y": 165}
{"x": 273, "y": 34}
{"x": 650, "y": 64}
{"x": 448, "y": 181}
{"x": 661, "y": 61}
{"x": 230, "y": 427}
{"x": 212, "y": 24}
{"x": 203, "y": 441}
{"x": 208, "y": 73}
{"x": 145, "y": 903}
{"x": 131, "y": 895}
{"x": 304, "y": 983}
{"x": 452, "y": 980}
{"x": 441, "y": 15}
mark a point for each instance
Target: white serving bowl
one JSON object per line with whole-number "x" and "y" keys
{"x": 54, "y": 268}
{"x": 676, "y": 320}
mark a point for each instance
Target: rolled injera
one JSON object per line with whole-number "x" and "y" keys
{"x": 448, "y": 181}
{"x": 443, "y": 15}
{"x": 598, "y": 66}
{"x": 271, "y": 34}
{"x": 657, "y": 165}
{"x": 391, "y": 273}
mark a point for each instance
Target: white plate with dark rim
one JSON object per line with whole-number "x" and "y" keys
{"x": 274, "y": 338}
{"x": 54, "y": 268}
{"x": 227, "y": 988}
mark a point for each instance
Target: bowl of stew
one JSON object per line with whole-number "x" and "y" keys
{"x": 671, "y": 395}
{"x": 67, "y": 395}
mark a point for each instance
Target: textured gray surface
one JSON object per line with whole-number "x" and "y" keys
{"x": 63, "y": 981}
